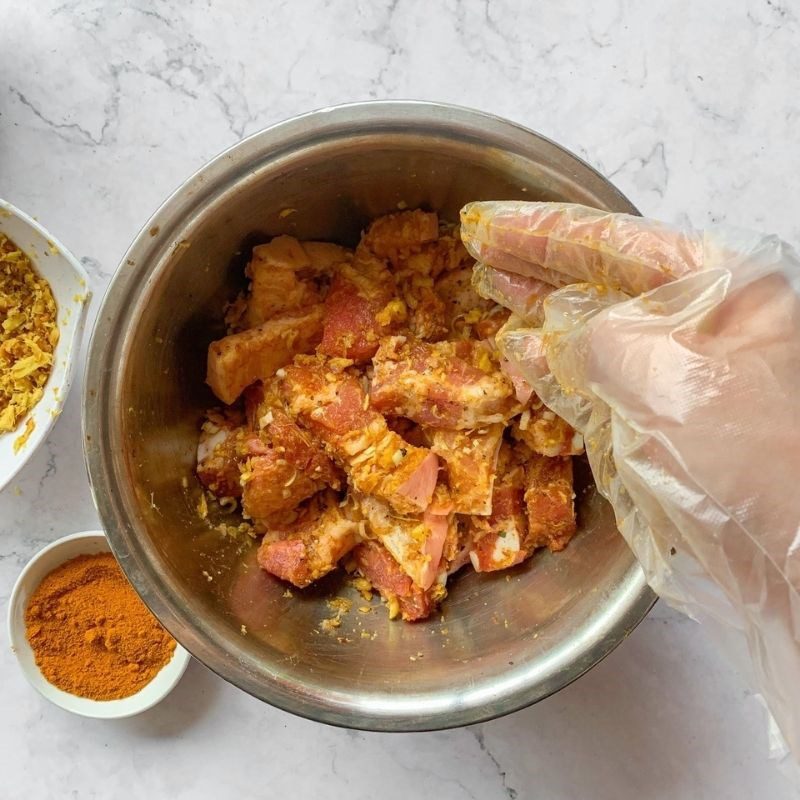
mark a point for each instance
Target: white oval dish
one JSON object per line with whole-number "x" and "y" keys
{"x": 70, "y": 287}
{"x": 38, "y": 567}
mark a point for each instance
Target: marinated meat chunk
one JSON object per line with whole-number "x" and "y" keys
{"x": 417, "y": 258}
{"x": 430, "y": 259}
{"x": 288, "y": 465}
{"x": 311, "y": 547}
{"x": 446, "y": 254}
{"x": 501, "y": 540}
{"x": 464, "y": 308}
{"x": 545, "y": 432}
{"x": 222, "y": 447}
{"x": 426, "y": 309}
{"x": 491, "y": 323}
{"x": 416, "y": 543}
{"x": 379, "y": 372}
{"x": 271, "y": 484}
{"x": 323, "y": 257}
{"x": 334, "y": 407}
{"x": 277, "y": 283}
{"x": 461, "y": 545}
{"x": 402, "y": 595}
{"x": 243, "y": 358}
{"x": 471, "y": 459}
{"x": 305, "y": 259}
{"x": 549, "y": 497}
{"x": 360, "y": 308}
{"x": 284, "y": 291}
{"x": 394, "y": 235}
{"x": 455, "y": 385}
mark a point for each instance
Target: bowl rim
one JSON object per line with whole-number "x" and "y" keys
{"x": 82, "y": 706}
{"x": 67, "y": 372}
{"x": 635, "y": 602}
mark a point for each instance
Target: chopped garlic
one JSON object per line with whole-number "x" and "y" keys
{"x": 28, "y": 337}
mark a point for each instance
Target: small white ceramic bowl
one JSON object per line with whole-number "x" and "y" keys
{"x": 37, "y": 568}
{"x": 70, "y": 286}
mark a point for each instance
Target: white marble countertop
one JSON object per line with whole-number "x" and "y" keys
{"x": 106, "y": 106}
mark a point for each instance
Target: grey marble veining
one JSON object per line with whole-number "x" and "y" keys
{"x": 106, "y": 106}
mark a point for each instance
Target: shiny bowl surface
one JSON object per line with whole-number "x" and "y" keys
{"x": 501, "y": 641}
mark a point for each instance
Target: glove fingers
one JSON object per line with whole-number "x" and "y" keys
{"x": 565, "y": 243}
{"x": 521, "y": 295}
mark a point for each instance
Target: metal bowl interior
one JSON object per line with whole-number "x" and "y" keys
{"x": 502, "y": 641}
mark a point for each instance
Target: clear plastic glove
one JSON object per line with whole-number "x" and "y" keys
{"x": 677, "y": 354}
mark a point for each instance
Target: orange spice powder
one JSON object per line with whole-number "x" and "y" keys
{"x": 91, "y": 634}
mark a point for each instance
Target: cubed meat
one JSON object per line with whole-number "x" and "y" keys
{"x": 402, "y": 595}
{"x": 360, "y": 308}
{"x": 291, "y": 466}
{"x": 311, "y": 547}
{"x": 437, "y": 258}
{"x": 395, "y": 235}
{"x": 549, "y": 497}
{"x": 323, "y": 257}
{"x": 491, "y": 323}
{"x": 243, "y": 358}
{"x": 304, "y": 259}
{"x": 271, "y": 484}
{"x": 416, "y": 543}
{"x": 464, "y": 309}
{"x": 545, "y": 432}
{"x": 454, "y": 385}
{"x": 222, "y": 447}
{"x": 426, "y": 316}
{"x": 262, "y": 302}
{"x": 334, "y": 407}
{"x": 279, "y": 281}
{"x": 501, "y": 540}
{"x": 457, "y": 554}
{"x": 470, "y": 459}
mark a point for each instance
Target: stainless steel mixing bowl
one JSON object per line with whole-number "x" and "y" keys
{"x": 503, "y": 641}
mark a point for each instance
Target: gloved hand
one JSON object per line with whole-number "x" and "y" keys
{"x": 677, "y": 354}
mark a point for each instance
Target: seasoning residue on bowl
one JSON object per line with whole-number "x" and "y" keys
{"x": 28, "y": 336}
{"x": 90, "y": 633}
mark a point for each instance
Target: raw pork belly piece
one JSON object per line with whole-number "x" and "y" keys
{"x": 334, "y": 407}
{"x": 455, "y": 385}
{"x": 360, "y": 308}
{"x": 416, "y": 543}
{"x": 240, "y": 359}
{"x": 545, "y": 432}
{"x": 396, "y": 235}
{"x": 403, "y": 596}
{"x": 471, "y": 461}
{"x": 220, "y": 451}
{"x": 286, "y": 465}
{"x": 549, "y": 497}
{"x": 500, "y": 540}
{"x": 311, "y": 547}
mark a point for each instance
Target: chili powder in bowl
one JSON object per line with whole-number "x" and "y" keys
{"x": 83, "y": 637}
